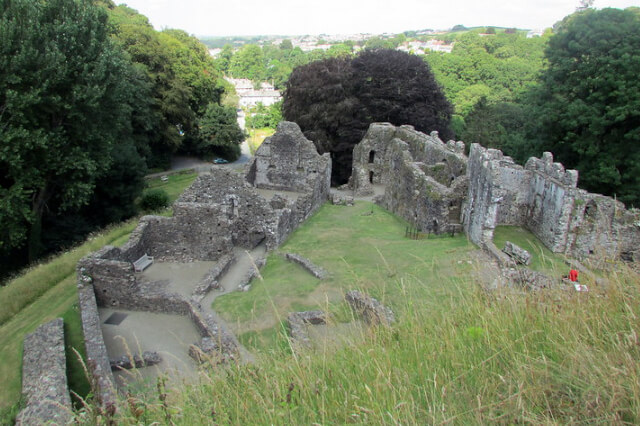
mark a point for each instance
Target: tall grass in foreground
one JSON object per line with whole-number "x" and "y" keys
{"x": 468, "y": 357}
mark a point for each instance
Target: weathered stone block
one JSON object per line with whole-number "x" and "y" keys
{"x": 298, "y": 321}
{"x": 127, "y": 363}
{"x": 373, "y": 312}
{"x": 518, "y": 254}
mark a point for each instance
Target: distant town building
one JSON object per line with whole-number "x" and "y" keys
{"x": 250, "y": 96}
{"x": 214, "y": 52}
{"x": 535, "y": 33}
{"x": 420, "y": 47}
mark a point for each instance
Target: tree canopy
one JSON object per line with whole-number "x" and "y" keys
{"x": 90, "y": 94}
{"x": 66, "y": 100}
{"x": 335, "y": 100}
{"x": 589, "y": 100}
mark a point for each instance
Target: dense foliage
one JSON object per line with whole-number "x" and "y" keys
{"x": 184, "y": 82}
{"x": 589, "y": 101}
{"x": 273, "y": 63}
{"x": 485, "y": 75}
{"x": 90, "y": 95}
{"x": 335, "y": 100}
{"x": 67, "y": 96}
{"x": 262, "y": 116}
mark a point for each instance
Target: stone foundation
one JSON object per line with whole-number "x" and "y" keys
{"x": 313, "y": 269}
{"x": 372, "y": 311}
{"x": 44, "y": 377}
{"x": 298, "y": 321}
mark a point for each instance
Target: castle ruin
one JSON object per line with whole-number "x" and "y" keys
{"x": 437, "y": 188}
{"x": 431, "y": 184}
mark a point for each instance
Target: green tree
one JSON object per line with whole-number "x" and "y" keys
{"x": 223, "y": 61}
{"x": 335, "y": 100}
{"x": 265, "y": 116}
{"x": 248, "y": 62}
{"x": 589, "y": 102}
{"x": 219, "y": 133}
{"x": 378, "y": 42}
{"x": 286, "y": 44}
{"x": 171, "y": 113}
{"x": 66, "y": 102}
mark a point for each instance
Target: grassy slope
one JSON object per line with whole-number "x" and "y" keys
{"x": 456, "y": 354}
{"x": 47, "y": 291}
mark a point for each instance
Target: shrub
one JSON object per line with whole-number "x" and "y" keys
{"x": 154, "y": 199}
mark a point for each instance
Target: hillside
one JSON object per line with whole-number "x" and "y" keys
{"x": 456, "y": 352}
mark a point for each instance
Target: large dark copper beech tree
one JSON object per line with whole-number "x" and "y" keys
{"x": 335, "y": 100}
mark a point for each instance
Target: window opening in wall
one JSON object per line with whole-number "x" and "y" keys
{"x": 372, "y": 156}
{"x": 370, "y": 177}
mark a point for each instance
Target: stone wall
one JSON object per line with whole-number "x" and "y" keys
{"x": 44, "y": 377}
{"x": 288, "y": 161}
{"x": 425, "y": 179}
{"x": 543, "y": 197}
{"x": 372, "y": 156}
{"x": 421, "y": 198}
{"x": 98, "y": 365}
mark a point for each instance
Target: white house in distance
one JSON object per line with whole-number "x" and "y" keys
{"x": 421, "y": 47}
{"x": 249, "y": 96}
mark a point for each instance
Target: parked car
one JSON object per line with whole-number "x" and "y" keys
{"x": 220, "y": 161}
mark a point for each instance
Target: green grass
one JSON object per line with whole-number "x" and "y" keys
{"x": 257, "y": 136}
{"x": 361, "y": 250}
{"x": 37, "y": 280}
{"x": 543, "y": 259}
{"x": 47, "y": 291}
{"x": 174, "y": 186}
{"x": 456, "y": 355}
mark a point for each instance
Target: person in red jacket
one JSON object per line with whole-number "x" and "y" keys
{"x": 573, "y": 275}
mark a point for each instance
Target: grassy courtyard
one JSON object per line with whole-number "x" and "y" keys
{"x": 363, "y": 247}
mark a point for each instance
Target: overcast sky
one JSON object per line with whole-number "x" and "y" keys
{"x": 298, "y": 17}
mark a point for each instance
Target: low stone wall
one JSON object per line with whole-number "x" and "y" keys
{"x": 44, "y": 377}
{"x": 210, "y": 280}
{"x": 373, "y": 312}
{"x": 98, "y": 364}
{"x": 298, "y": 321}
{"x": 313, "y": 269}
